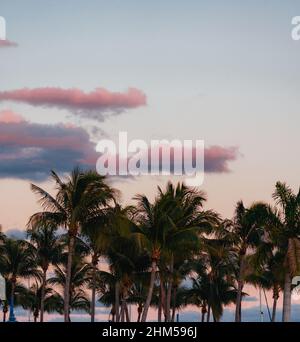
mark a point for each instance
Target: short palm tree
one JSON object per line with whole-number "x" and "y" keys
{"x": 80, "y": 276}
{"x": 31, "y": 299}
{"x": 48, "y": 250}
{"x": 18, "y": 262}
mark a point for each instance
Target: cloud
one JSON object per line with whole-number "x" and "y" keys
{"x": 7, "y": 44}
{"x": 31, "y": 150}
{"x": 16, "y": 233}
{"x": 95, "y": 104}
{"x": 216, "y": 159}
{"x": 8, "y": 116}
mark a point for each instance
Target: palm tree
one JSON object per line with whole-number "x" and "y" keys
{"x": 18, "y": 262}
{"x": 127, "y": 261}
{"x": 80, "y": 272}
{"x": 78, "y": 199}
{"x": 213, "y": 286}
{"x": 245, "y": 233}
{"x": 32, "y": 298}
{"x": 105, "y": 287}
{"x": 266, "y": 270}
{"x": 174, "y": 218}
{"x": 49, "y": 249}
{"x": 19, "y": 295}
{"x": 96, "y": 235}
{"x": 285, "y": 233}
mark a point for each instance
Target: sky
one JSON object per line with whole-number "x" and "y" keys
{"x": 74, "y": 72}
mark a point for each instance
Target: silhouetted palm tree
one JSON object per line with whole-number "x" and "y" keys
{"x": 18, "y": 262}
{"x": 79, "y": 279}
{"x": 245, "y": 232}
{"x": 78, "y": 199}
{"x": 285, "y": 234}
{"x": 48, "y": 249}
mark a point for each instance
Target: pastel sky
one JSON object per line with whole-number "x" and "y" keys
{"x": 227, "y": 72}
{"x": 72, "y": 72}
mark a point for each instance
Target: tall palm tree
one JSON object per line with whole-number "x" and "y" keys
{"x": 173, "y": 219}
{"x": 125, "y": 257}
{"x": 97, "y": 236}
{"x": 48, "y": 249}
{"x": 186, "y": 219}
{"x": 245, "y": 233}
{"x": 18, "y": 262}
{"x": 285, "y": 233}
{"x": 78, "y": 199}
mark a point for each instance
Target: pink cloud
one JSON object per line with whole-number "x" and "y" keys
{"x": 8, "y": 116}
{"x": 30, "y": 150}
{"x": 7, "y": 43}
{"x": 99, "y": 100}
{"x": 216, "y": 158}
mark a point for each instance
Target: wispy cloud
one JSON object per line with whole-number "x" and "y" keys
{"x": 95, "y": 104}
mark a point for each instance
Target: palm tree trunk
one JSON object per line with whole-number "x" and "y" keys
{"x": 163, "y": 298}
{"x": 122, "y": 310}
{"x": 94, "y": 270}
{"x": 286, "y": 312}
{"x": 169, "y": 291}
{"x": 68, "y": 278}
{"x": 150, "y": 291}
{"x": 238, "y": 307}
{"x": 275, "y": 299}
{"x": 208, "y": 313}
{"x": 140, "y": 310}
{"x": 117, "y": 301}
{"x": 127, "y": 313}
{"x": 174, "y": 304}
{"x": 168, "y": 304}
{"x": 113, "y": 313}
{"x": 44, "y": 279}
{"x": 159, "y": 310}
{"x": 274, "y": 309}
{"x": 203, "y": 312}
{"x": 12, "y": 300}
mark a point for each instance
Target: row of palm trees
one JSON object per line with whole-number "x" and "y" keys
{"x": 163, "y": 254}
